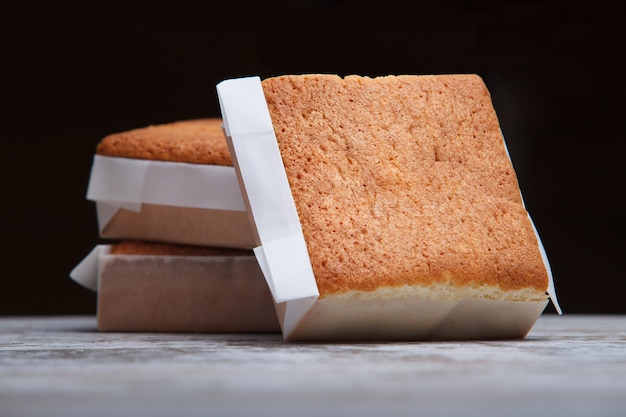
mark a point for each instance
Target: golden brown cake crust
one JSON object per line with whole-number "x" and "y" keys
{"x": 199, "y": 141}
{"x": 137, "y": 247}
{"x": 403, "y": 180}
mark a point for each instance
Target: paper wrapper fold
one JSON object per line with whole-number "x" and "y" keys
{"x": 150, "y": 293}
{"x": 284, "y": 260}
{"x": 169, "y": 202}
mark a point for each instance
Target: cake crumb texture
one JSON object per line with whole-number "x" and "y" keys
{"x": 199, "y": 141}
{"x": 403, "y": 180}
{"x": 138, "y": 247}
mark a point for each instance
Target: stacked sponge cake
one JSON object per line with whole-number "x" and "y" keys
{"x": 170, "y": 183}
{"x": 178, "y": 260}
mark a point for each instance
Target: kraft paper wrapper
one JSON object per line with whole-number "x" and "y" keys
{"x": 149, "y": 293}
{"x": 169, "y": 202}
{"x": 283, "y": 256}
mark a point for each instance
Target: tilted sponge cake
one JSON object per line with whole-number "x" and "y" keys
{"x": 404, "y": 184}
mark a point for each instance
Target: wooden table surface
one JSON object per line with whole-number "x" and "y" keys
{"x": 62, "y": 366}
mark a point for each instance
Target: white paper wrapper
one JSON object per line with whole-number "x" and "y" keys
{"x": 169, "y": 202}
{"x": 283, "y": 256}
{"x": 282, "y": 252}
{"x": 154, "y": 293}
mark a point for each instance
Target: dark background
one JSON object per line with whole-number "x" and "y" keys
{"x": 74, "y": 72}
